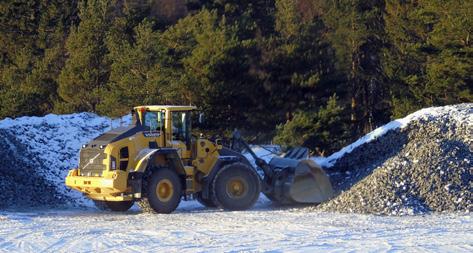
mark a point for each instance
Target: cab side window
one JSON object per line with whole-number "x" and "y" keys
{"x": 180, "y": 125}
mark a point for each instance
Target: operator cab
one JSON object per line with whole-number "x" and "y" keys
{"x": 166, "y": 126}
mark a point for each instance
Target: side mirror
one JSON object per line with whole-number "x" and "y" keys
{"x": 219, "y": 144}
{"x": 201, "y": 118}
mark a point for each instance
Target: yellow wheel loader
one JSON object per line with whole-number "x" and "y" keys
{"x": 156, "y": 162}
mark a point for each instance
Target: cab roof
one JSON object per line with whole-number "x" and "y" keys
{"x": 166, "y": 107}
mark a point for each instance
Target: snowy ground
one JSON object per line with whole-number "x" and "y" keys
{"x": 193, "y": 228}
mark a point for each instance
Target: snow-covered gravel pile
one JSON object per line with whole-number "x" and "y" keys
{"x": 36, "y": 154}
{"x": 422, "y": 164}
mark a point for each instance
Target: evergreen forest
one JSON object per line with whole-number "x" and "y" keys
{"x": 316, "y": 73}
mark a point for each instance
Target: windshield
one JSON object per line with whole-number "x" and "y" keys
{"x": 154, "y": 121}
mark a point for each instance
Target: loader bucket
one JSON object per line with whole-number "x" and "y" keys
{"x": 303, "y": 182}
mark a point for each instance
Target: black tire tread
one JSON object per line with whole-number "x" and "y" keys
{"x": 144, "y": 202}
{"x": 221, "y": 172}
{"x": 205, "y": 202}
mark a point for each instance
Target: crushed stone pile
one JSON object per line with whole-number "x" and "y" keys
{"x": 423, "y": 165}
{"x": 20, "y": 182}
{"x": 37, "y": 153}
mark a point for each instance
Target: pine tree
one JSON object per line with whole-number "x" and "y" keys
{"x": 133, "y": 66}
{"x": 322, "y": 131}
{"x": 32, "y": 54}
{"x": 207, "y": 66}
{"x": 18, "y": 29}
{"x": 251, "y": 16}
{"x": 429, "y": 59}
{"x": 450, "y": 65}
{"x": 85, "y": 73}
{"x": 357, "y": 33}
{"x": 297, "y": 67}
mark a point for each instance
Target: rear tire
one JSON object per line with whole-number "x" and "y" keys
{"x": 163, "y": 192}
{"x": 115, "y": 206}
{"x": 236, "y": 187}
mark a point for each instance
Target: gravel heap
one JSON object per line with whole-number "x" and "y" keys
{"x": 426, "y": 166}
{"x": 20, "y": 183}
{"x": 37, "y": 153}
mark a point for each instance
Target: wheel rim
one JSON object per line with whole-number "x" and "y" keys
{"x": 164, "y": 190}
{"x": 237, "y": 188}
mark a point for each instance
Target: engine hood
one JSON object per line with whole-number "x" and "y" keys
{"x": 112, "y": 136}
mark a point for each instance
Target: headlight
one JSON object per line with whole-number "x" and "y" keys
{"x": 84, "y": 146}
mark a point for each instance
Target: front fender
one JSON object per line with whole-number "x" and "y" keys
{"x": 143, "y": 158}
{"x": 166, "y": 157}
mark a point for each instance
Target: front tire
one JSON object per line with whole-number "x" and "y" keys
{"x": 205, "y": 202}
{"x": 115, "y": 206}
{"x": 236, "y": 187}
{"x": 163, "y": 192}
